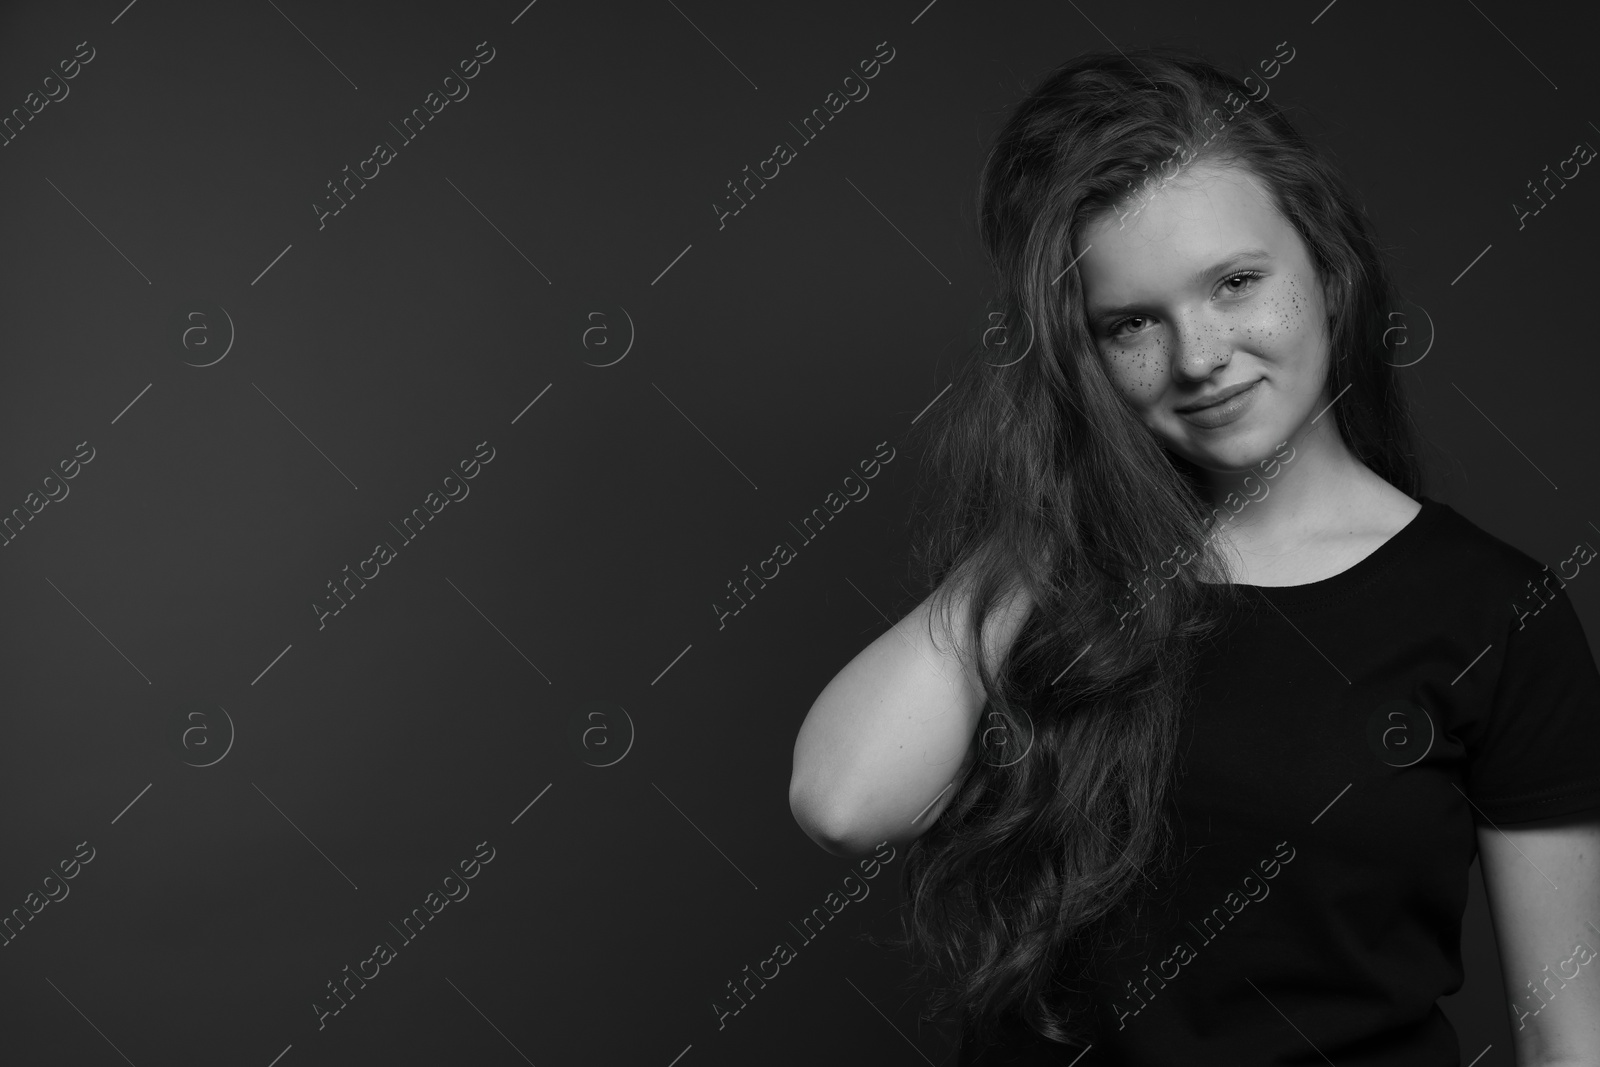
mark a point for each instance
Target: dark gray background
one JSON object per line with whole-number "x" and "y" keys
{"x": 772, "y": 356}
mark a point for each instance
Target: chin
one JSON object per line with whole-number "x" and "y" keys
{"x": 1237, "y": 450}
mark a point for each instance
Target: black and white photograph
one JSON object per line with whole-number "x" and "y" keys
{"x": 685, "y": 534}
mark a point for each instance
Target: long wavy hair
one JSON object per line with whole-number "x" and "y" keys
{"x": 1046, "y": 480}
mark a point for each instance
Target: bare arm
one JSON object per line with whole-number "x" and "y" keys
{"x": 1543, "y": 882}
{"x": 893, "y": 729}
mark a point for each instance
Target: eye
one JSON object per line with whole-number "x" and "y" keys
{"x": 1248, "y": 275}
{"x": 1114, "y": 332}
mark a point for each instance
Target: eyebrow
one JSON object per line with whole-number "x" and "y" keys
{"x": 1232, "y": 261}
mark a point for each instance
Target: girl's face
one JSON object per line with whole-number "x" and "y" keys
{"x": 1209, "y": 294}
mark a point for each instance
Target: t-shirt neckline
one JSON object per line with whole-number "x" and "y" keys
{"x": 1401, "y": 544}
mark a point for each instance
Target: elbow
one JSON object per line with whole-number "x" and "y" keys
{"x": 814, "y": 817}
{"x": 828, "y": 825}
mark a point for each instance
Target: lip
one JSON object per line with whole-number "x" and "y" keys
{"x": 1222, "y": 407}
{"x": 1219, "y": 397}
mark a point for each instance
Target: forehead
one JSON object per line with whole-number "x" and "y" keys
{"x": 1191, "y": 222}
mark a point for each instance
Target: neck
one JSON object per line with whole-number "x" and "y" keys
{"x": 1320, "y": 486}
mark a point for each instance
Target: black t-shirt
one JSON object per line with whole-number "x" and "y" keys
{"x": 1346, "y": 739}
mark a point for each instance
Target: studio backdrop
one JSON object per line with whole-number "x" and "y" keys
{"x": 447, "y": 447}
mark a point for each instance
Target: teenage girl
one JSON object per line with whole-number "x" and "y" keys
{"x": 1210, "y": 708}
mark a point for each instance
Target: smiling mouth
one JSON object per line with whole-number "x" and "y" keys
{"x": 1219, "y": 397}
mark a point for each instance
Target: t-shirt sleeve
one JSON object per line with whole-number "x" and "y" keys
{"x": 1540, "y": 751}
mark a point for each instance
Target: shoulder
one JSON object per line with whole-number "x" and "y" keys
{"x": 1468, "y": 541}
{"x": 1430, "y": 557}
{"x": 1469, "y": 564}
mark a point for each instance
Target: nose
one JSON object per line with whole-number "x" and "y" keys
{"x": 1198, "y": 349}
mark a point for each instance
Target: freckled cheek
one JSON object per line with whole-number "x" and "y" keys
{"x": 1138, "y": 371}
{"x": 1281, "y": 322}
